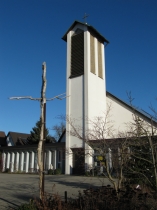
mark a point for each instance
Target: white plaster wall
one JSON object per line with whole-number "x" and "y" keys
{"x": 4, "y": 161}
{"x": 10, "y": 141}
{"x": 95, "y": 99}
{"x": 76, "y": 105}
{"x": 54, "y": 159}
{"x": 75, "y": 111}
{"x": 8, "y": 160}
{"x": 121, "y": 116}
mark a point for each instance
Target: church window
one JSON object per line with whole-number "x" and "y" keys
{"x": 92, "y": 54}
{"x": 77, "y": 54}
{"x": 100, "y": 69}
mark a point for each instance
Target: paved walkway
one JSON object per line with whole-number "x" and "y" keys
{"x": 16, "y": 189}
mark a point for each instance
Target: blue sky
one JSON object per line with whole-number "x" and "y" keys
{"x": 30, "y": 33}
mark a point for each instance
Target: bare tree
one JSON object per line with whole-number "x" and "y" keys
{"x": 142, "y": 164}
{"x": 58, "y": 129}
{"x": 111, "y": 153}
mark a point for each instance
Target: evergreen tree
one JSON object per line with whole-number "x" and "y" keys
{"x": 139, "y": 169}
{"x": 35, "y": 134}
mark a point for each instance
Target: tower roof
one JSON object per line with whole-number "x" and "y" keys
{"x": 90, "y": 28}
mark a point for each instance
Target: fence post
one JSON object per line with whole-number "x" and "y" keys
{"x": 65, "y": 194}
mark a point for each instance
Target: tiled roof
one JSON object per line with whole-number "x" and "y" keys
{"x": 3, "y": 139}
{"x": 19, "y": 138}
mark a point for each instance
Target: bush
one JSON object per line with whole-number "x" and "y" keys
{"x": 57, "y": 171}
{"x": 30, "y": 206}
{"x": 50, "y": 172}
{"x": 87, "y": 173}
{"x": 101, "y": 198}
{"x": 7, "y": 170}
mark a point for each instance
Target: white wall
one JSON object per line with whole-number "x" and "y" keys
{"x": 121, "y": 115}
{"x": 9, "y": 141}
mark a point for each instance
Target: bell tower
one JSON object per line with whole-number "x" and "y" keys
{"x": 85, "y": 82}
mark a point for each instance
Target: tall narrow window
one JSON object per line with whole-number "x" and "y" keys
{"x": 77, "y": 54}
{"x": 59, "y": 156}
{"x": 92, "y": 54}
{"x": 100, "y": 69}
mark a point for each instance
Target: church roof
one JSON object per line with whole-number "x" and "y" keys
{"x": 90, "y": 28}
{"x": 133, "y": 108}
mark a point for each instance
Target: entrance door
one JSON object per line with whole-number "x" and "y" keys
{"x": 78, "y": 161}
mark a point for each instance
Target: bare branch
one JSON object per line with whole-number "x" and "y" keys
{"x": 25, "y": 97}
{"x": 63, "y": 95}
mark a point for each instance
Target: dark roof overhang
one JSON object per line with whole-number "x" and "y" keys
{"x": 53, "y": 146}
{"x": 90, "y": 28}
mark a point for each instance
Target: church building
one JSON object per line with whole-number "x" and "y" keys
{"x": 87, "y": 101}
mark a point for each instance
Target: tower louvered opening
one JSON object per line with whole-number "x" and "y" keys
{"x": 92, "y": 54}
{"x": 100, "y": 68}
{"x": 77, "y": 54}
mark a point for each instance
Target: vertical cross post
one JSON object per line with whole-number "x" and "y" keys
{"x": 41, "y": 144}
{"x": 43, "y": 150}
{"x": 43, "y": 121}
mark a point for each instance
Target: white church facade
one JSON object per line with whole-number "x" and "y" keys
{"x": 87, "y": 99}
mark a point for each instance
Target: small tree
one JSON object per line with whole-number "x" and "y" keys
{"x": 35, "y": 134}
{"x": 142, "y": 164}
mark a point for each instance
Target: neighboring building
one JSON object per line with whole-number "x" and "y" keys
{"x": 14, "y": 139}
{"x": 19, "y": 155}
{"x": 87, "y": 99}
{"x": 24, "y": 157}
{"x": 2, "y": 139}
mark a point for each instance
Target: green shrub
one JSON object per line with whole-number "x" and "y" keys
{"x": 25, "y": 206}
{"x": 50, "y": 171}
{"x": 57, "y": 171}
{"x": 18, "y": 171}
{"x": 7, "y": 170}
{"x": 87, "y": 173}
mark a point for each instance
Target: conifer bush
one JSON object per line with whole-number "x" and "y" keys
{"x": 57, "y": 171}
